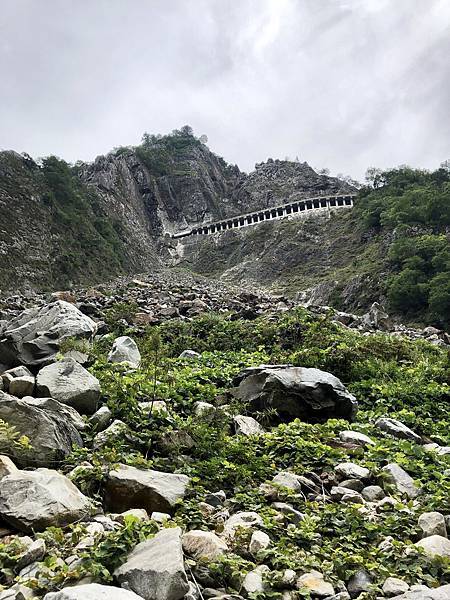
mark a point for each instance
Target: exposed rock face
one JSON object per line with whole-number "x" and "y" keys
{"x": 69, "y": 383}
{"x": 34, "y": 500}
{"x": 48, "y": 424}
{"x": 309, "y": 394}
{"x": 128, "y": 487}
{"x": 92, "y": 591}
{"x": 155, "y": 568}
{"x": 33, "y": 338}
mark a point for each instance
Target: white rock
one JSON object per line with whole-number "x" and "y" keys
{"x": 244, "y": 520}
{"x": 315, "y": 584}
{"x": 247, "y": 425}
{"x": 355, "y": 437}
{"x": 432, "y": 523}
{"x": 395, "y": 477}
{"x": 397, "y": 429}
{"x": 254, "y": 580}
{"x": 203, "y": 544}
{"x": 351, "y": 470}
{"x": 435, "y": 545}
{"x": 394, "y": 587}
{"x": 125, "y": 350}
{"x": 259, "y": 541}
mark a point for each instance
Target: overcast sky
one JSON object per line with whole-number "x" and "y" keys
{"x": 343, "y": 84}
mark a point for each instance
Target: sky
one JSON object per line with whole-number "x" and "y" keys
{"x": 341, "y": 84}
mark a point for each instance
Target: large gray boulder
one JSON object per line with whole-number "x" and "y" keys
{"x": 125, "y": 350}
{"x": 92, "y": 591}
{"x": 51, "y": 427}
{"x": 128, "y": 487}
{"x": 295, "y": 392}
{"x": 70, "y": 383}
{"x": 155, "y": 568}
{"x": 34, "y": 500}
{"x": 397, "y": 429}
{"x": 34, "y": 336}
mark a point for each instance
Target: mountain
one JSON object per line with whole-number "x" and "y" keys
{"x": 65, "y": 225}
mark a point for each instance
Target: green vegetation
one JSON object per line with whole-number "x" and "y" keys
{"x": 415, "y": 206}
{"x": 389, "y": 375}
{"x": 165, "y": 154}
{"x": 93, "y": 243}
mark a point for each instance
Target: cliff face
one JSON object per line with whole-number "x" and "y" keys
{"x": 63, "y": 225}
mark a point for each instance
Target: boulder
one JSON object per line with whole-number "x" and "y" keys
{"x": 355, "y": 437}
{"x": 101, "y": 418}
{"x": 315, "y": 584}
{"x": 360, "y": 582}
{"x": 247, "y": 426}
{"x": 92, "y": 591}
{"x": 372, "y": 493}
{"x": 243, "y": 520}
{"x": 397, "y": 429}
{"x": 155, "y": 568}
{"x": 259, "y": 541}
{"x": 33, "y": 337}
{"x": 398, "y": 480}
{"x": 69, "y": 383}
{"x": 113, "y": 432}
{"x": 49, "y": 425}
{"x": 6, "y": 466}
{"x": 424, "y": 593}
{"x": 254, "y": 580}
{"x": 295, "y": 392}
{"x": 191, "y": 354}
{"x": 351, "y": 470}
{"x": 394, "y": 587}
{"x": 435, "y": 545}
{"x": 128, "y": 487}
{"x": 203, "y": 544}
{"x": 432, "y": 523}
{"x": 34, "y": 500}
{"x": 125, "y": 350}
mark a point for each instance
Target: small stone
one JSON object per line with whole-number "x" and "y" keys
{"x": 160, "y": 517}
{"x": 247, "y": 426}
{"x": 352, "y": 484}
{"x": 215, "y": 498}
{"x": 254, "y": 581}
{"x": 191, "y": 354}
{"x": 432, "y": 523}
{"x": 372, "y": 493}
{"x": 110, "y": 434}
{"x": 352, "y": 471}
{"x": 22, "y": 386}
{"x": 204, "y": 411}
{"x": 355, "y": 437}
{"x": 359, "y": 583}
{"x": 315, "y": 584}
{"x": 34, "y": 552}
{"x": 6, "y": 466}
{"x": 397, "y": 429}
{"x": 92, "y": 591}
{"x": 394, "y": 587}
{"x": 289, "y": 511}
{"x": 137, "y": 513}
{"x": 244, "y": 520}
{"x": 259, "y": 541}
{"x": 101, "y": 418}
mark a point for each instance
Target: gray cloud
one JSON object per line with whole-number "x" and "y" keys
{"x": 340, "y": 83}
